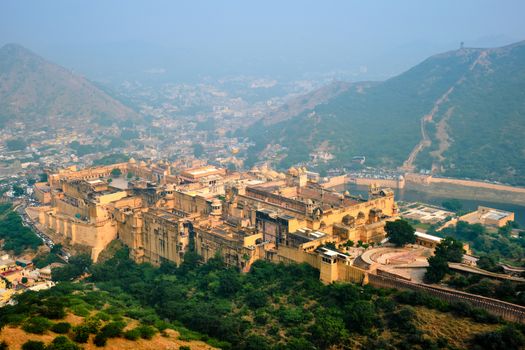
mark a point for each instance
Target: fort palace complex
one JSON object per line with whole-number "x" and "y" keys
{"x": 162, "y": 210}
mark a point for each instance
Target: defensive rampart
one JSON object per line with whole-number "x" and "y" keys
{"x": 507, "y": 311}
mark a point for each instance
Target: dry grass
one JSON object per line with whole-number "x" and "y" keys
{"x": 15, "y": 337}
{"x": 458, "y": 331}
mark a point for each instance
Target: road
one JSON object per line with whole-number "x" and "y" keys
{"x": 26, "y": 221}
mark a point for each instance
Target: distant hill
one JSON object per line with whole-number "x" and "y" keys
{"x": 35, "y": 90}
{"x": 460, "y": 113}
{"x": 299, "y": 104}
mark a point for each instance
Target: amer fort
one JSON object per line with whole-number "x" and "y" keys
{"x": 162, "y": 210}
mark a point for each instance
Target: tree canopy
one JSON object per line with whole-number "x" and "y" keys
{"x": 452, "y": 205}
{"x": 449, "y": 250}
{"x": 116, "y": 172}
{"x": 77, "y": 266}
{"x": 400, "y": 232}
{"x": 16, "y": 236}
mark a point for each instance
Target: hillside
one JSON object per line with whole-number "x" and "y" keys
{"x": 459, "y": 113}
{"x": 15, "y": 337}
{"x": 299, "y": 104}
{"x": 33, "y": 89}
{"x": 274, "y": 306}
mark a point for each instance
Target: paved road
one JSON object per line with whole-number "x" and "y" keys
{"x": 26, "y": 221}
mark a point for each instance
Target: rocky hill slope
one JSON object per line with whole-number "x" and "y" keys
{"x": 460, "y": 113}
{"x": 34, "y": 90}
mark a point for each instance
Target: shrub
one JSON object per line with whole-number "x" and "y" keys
{"x": 132, "y": 334}
{"x": 184, "y": 347}
{"x": 187, "y": 335}
{"x": 507, "y": 338}
{"x": 92, "y": 324}
{"x": 100, "y": 339}
{"x": 53, "y": 309}
{"x": 81, "y": 334}
{"x": 261, "y": 317}
{"x": 117, "y": 318}
{"x": 80, "y": 310}
{"x": 33, "y": 345}
{"x": 16, "y": 319}
{"x": 113, "y": 310}
{"x": 36, "y": 325}
{"x": 103, "y": 316}
{"x": 146, "y": 332}
{"x": 113, "y": 329}
{"x": 162, "y": 325}
{"x": 458, "y": 281}
{"x": 62, "y": 343}
{"x": 403, "y": 320}
{"x": 61, "y": 327}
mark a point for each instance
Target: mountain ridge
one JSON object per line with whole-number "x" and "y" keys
{"x": 384, "y": 122}
{"x": 34, "y": 89}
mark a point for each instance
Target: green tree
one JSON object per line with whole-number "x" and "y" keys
{"x": 18, "y": 190}
{"x": 506, "y": 338}
{"x": 255, "y": 342}
{"x": 81, "y": 334}
{"x": 113, "y": 329}
{"x": 450, "y": 249}
{"x": 198, "y": 150}
{"x": 36, "y": 325}
{"x": 132, "y": 334}
{"x": 33, "y": 345}
{"x": 16, "y": 236}
{"x": 452, "y": 205}
{"x": 116, "y": 143}
{"x": 146, "y": 332}
{"x": 57, "y": 248}
{"x": 229, "y": 283}
{"x": 61, "y": 327}
{"x": 360, "y": 316}
{"x": 489, "y": 262}
{"x": 62, "y": 343}
{"x": 111, "y": 159}
{"x": 116, "y": 172}
{"x": 437, "y": 269}
{"x": 77, "y": 266}
{"x": 42, "y": 177}
{"x": 100, "y": 340}
{"x": 16, "y": 144}
{"x": 400, "y": 232}
{"x": 328, "y": 331}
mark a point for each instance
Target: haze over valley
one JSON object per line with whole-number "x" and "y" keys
{"x": 262, "y": 175}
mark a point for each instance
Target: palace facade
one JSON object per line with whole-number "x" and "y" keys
{"x": 161, "y": 211}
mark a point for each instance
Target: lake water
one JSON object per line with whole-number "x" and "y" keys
{"x": 410, "y": 195}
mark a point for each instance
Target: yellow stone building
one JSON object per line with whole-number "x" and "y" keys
{"x": 161, "y": 211}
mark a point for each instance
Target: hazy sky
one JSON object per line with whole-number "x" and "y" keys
{"x": 317, "y": 36}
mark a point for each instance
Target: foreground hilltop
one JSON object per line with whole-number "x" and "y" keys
{"x": 33, "y": 89}
{"x": 459, "y": 113}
